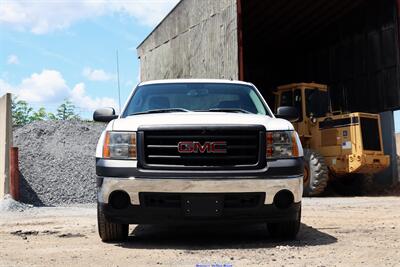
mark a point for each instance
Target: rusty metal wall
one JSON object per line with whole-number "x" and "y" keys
{"x": 198, "y": 39}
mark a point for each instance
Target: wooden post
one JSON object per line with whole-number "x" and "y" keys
{"x": 14, "y": 173}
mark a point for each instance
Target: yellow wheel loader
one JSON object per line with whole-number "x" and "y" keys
{"x": 337, "y": 145}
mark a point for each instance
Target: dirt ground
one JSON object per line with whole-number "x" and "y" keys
{"x": 362, "y": 231}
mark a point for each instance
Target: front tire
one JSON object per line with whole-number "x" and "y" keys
{"x": 286, "y": 230}
{"x": 110, "y": 232}
{"x": 316, "y": 174}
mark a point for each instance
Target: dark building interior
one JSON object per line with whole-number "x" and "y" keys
{"x": 350, "y": 45}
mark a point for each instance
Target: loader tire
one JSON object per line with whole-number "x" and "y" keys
{"x": 316, "y": 174}
{"x": 110, "y": 232}
{"x": 356, "y": 185}
{"x": 367, "y": 184}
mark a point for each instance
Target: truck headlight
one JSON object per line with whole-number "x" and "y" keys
{"x": 120, "y": 145}
{"x": 282, "y": 144}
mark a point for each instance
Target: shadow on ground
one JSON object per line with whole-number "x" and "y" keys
{"x": 27, "y": 193}
{"x": 235, "y": 236}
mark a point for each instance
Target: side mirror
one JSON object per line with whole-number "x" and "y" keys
{"x": 287, "y": 113}
{"x": 104, "y": 114}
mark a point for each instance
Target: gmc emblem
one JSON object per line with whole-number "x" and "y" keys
{"x": 217, "y": 147}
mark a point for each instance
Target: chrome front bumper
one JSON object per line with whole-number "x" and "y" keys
{"x": 133, "y": 186}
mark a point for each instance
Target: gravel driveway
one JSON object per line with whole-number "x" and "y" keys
{"x": 335, "y": 232}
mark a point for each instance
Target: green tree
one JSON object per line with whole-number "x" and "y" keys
{"x": 66, "y": 111}
{"x": 21, "y": 112}
{"x": 51, "y": 116}
{"x": 39, "y": 115}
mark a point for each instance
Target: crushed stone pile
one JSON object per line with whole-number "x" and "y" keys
{"x": 57, "y": 161}
{"x": 57, "y": 164}
{"x": 9, "y": 204}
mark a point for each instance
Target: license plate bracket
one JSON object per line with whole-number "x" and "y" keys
{"x": 203, "y": 205}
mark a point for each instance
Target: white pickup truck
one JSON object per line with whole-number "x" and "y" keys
{"x": 187, "y": 151}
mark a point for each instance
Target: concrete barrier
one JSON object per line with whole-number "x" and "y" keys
{"x": 5, "y": 143}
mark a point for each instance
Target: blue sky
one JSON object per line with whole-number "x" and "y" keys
{"x": 52, "y": 50}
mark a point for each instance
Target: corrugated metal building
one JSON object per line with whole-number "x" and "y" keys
{"x": 350, "y": 45}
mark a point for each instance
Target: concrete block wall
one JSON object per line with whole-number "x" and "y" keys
{"x": 5, "y": 143}
{"x": 198, "y": 39}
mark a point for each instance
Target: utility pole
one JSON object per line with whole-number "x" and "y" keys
{"x": 119, "y": 89}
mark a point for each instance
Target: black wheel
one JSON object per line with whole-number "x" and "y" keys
{"x": 110, "y": 232}
{"x": 286, "y": 230}
{"x": 355, "y": 185}
{"x": 368, "y": 184}
{"x": 316, "y": 174}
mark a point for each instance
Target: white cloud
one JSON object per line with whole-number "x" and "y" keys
{"x": 41, "y": 17}
{"x": 49, "y": 87}
{"x": 12, "y": 60}
{"x": 148, "y": 12}
{"x": 45, "y": 16}
{"x": 5, "y": 87}
{"x": 97, "y": 75}
{"x": 79, "y": 97}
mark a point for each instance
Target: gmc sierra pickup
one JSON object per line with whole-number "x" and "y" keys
{"x": 186, "y": 151}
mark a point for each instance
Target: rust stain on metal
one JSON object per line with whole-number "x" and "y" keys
{"x": 14, "y": 173}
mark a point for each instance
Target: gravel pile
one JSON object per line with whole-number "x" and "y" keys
{"x": 57, "y": 161}
{"x": 9, "y": 204}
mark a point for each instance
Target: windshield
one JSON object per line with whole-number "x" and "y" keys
{"x": 317, "y": 103}
{"x": 181, "y": 97}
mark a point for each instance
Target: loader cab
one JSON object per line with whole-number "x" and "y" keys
{"x": 310, "y": 99}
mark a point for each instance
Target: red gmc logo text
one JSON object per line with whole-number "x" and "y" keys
{"x": 207, "y": 147}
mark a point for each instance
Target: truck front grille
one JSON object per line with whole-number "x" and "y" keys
{"x": 241, "y": 148}
{"x": 370, "y": 134}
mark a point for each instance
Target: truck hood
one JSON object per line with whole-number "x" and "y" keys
{"x": 132, "y": 123}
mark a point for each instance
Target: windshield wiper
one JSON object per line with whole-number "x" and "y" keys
{"x": 164, "y": 110}
{"x": 237, "y": 110}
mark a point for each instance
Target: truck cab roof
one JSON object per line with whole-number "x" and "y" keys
{"x": 170, "y": 81}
